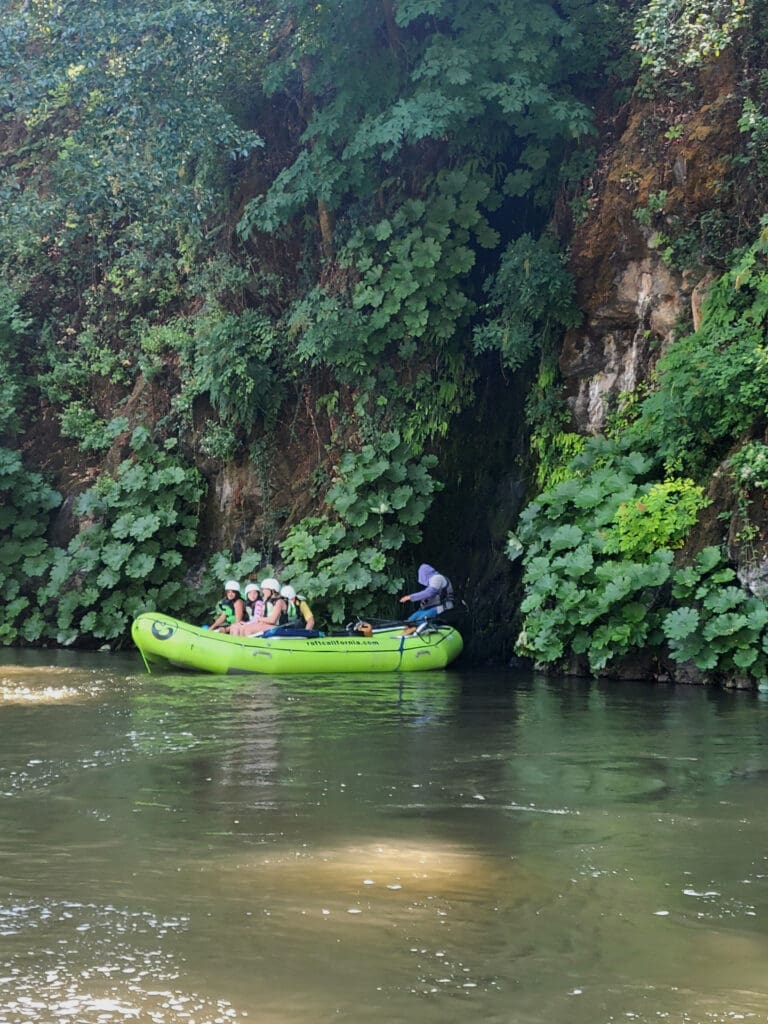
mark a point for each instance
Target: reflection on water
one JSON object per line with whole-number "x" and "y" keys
{"x": 62, "y": 685}
{"x": 425, "y": 848}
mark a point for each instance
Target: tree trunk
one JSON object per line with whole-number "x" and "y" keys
{"x": 393, "y": 32}
{"x": 324, "y": 215}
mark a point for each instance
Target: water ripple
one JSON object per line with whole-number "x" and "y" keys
{"x": 97, "y": 962}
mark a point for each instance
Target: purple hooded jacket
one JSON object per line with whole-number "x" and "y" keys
{"x": 426, "y": 573}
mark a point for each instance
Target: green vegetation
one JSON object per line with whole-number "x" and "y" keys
{"x": 715, "y": 624}
{"x": 591, "y": 582}
{"x": 660, "y": 517}
{"x": 13, "y": 329}
{"x": 233, "y": 242}
{"x": 656, "y": 203}
{"x": 26, "y": 502}
{"x": 599, "y": 546}
{"x": 138, "y": 528}
{"x": 712, "y": 384}
{"x": 701, "y": 417}
{"x": 600, "y": 580}
{"x": 232, "y": 208}
{"x": 129, "y": 555}
{"x": 530, "y": 301}
{"x": 377, "y": 502}
{"x": 676, "y": 35}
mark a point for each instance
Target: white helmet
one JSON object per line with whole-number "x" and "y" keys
{"x": 270, "y": 584}
{"x": 251, "y": 586}
{"x": 232, "y": 585}
{"x": 288, "y": 592}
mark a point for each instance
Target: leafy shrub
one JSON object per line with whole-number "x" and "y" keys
{"x": 13, "y": 328}
{"x": 711, "y": 386}
{"x": 92, "y": 433}
{"x": 673, "y": 35}
{"x": 219, "y": 568}
{"x": 376, "y": 504}
{"x": 749, "y": 466}
{"x": 123, "y": 134}
{"x": 129, "y": 555}
{"x": 580, "y": 596}
{"x": 405, "y": 275}
{"x": 717, "y": 625}
{"x": 218, "y": 442}
{"x": 659, "y": 518}
{"x": 599, "y": 581}
{"x": 754, "y": 124}
{"x": 157, "y": 342}
{"x": 656, "y": 203}
{"x": 26, "y": 502}
{"x": 457, "y": 79}
{"x": 531, "y": 294}
{"x": 231, "y": 363}
{"x": 553, "y": 445}
{"x": 749, "y": 472}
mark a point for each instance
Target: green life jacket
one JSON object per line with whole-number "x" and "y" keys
{"x": 228, "y": 607}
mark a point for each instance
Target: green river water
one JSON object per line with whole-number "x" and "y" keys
{"x": 441, "y": 847}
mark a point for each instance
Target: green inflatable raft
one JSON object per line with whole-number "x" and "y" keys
{"x": 165, "y": 642}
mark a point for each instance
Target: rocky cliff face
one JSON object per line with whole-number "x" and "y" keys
{"x": 667, "y": 168}
{"x": 665, "y": 164}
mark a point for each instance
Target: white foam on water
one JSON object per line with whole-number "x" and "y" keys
{"x": 530, "y": 808}
{"x": 130, "y": 976}
{"x": 17, "y": 694}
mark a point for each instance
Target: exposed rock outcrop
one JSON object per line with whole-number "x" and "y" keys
{"x": 619, "y": 344}
{"x": 643, "y": 270}
{"x": 666, "y": 169}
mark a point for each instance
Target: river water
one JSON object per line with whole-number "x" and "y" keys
{"x": 432, "y": 848}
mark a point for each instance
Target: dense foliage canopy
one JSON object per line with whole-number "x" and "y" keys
{"x": 239, "y": 202}
{"x": 228, "y": 225}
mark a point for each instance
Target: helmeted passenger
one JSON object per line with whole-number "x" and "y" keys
{"x": 231, "y": 608}
{"x": 275, "y": 610}
{"x": 254, "y": 605}
{"x": 254, "y": 610}
{"x": 435, "y": 597}
{"x": 300, "y": 615}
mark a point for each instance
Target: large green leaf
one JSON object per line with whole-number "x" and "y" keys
{"x": 145, "y": 526}
{"x": 724, "y": 599}
{"x": 634, "y": 612}
{"x": 566, "y": 537}
{"x": 726, "y": 624}
{"x": 115, "y": 554}
{"x": 139, "y": 565}
{"x": 745, "y": 657}
{"x": 706, "y": 660}
{"x": 708, "y": 558}
{"x": 680, "y": 623}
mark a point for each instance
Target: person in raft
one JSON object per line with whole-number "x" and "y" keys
{"x": 254, "y": 610}
{"x": 275, "y": 611}
{"x": 231, "y": 609}
{"x": 299, "y": 613}
{"x": 436, "y": 597}
{"x": 254, "y": 606}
